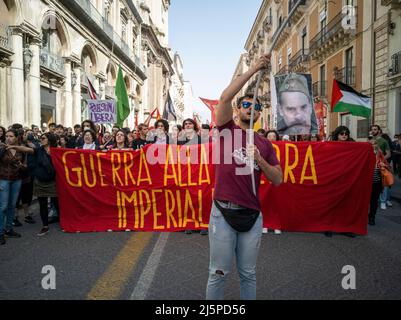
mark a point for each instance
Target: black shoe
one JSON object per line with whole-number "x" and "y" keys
{"x": 2, "y": 241}
{"x": 372, "y": 222}
{"x": 349, "y": 234}
{"x": 16, "y": 223}
{"x": 29, "y": 220}
{"x": 54, "y": 220}
{"x": 204, "y": 233}
{"x": 12, "y": 234}
{"x": 328, "y": 234}
{"x": 44, "y": 231}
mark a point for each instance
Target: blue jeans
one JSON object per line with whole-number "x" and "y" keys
{"x": 385, "y": 195}
{"x": 9, "y": 191}
{"x": 225, "y": 244}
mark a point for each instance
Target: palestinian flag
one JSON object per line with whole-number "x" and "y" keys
{"x": 346, "y": 99}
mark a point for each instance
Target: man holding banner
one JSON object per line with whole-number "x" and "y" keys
{"x": 236, "y": 222}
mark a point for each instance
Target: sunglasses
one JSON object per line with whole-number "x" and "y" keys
{"x": 43, "y": 138}
{"x": 247, "y": 105}
{"x": 344, "y": 134}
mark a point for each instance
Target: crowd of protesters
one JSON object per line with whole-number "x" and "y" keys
{"x": 26, "y": 170}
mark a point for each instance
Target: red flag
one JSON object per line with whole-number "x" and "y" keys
{"x": 211, "y": 104}
{"x": 151, "y": 116}
{"x": 91, "y": 90}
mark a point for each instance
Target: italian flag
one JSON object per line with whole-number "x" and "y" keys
{"x": 346, "y": 99}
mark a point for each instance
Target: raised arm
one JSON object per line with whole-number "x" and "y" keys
{"x": 224, "y": 112}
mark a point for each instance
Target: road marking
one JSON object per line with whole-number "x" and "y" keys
{"x": 145, "y": 281}
{"x": 110, "y": 285}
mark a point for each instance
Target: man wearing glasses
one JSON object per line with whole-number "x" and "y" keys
{"x": 236, "y": 222}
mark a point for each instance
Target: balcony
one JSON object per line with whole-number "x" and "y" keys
{"x": 282, "y": 33}
{"x": 5, "y": 43}
{"x": 283, "y": 70}
{"x": 267, "y": 25}
{"x": 331, "y": 38}
{"x": 395, "y": 68}
{"x": 298, "y": 9}
{"x": 346, "y": 75}
{"x": 94, "y": 20}
{"x": 300, "y": 62}
{"x": 52, "y": 64}
{"x": 320, "y": 89}
{"x": 395, "y": 4}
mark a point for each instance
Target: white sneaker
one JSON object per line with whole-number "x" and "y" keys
{"x": 383, "y": 206}
{"x": 277, "y": 231}
{"x": 265, "y": 230}
{"x": 389, "y": 204}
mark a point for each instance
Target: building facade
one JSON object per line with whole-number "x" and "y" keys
{"x": 353, "y": 41}
{"x": 50, "y": 49}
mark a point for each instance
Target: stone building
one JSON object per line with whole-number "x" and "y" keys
{"x": 49, "y": 50}
{"x": 353, "y": 41}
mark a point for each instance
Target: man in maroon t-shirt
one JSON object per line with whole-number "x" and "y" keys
{"x": 235, "y": 227}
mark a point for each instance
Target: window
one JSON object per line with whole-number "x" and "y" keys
{"x": 46, "y": 39}
{"x": 322, "y": 87}
{"x": 349, "y": 57}
{"x": 303, "y": 40}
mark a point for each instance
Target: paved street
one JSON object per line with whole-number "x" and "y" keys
{"x": 174, "y": 265}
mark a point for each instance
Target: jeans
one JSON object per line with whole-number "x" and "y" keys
{"x": 9, "y": 191}
{"x": 385, "y": 195}
{"x": 225, "y": 244}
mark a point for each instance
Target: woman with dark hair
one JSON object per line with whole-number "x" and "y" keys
{"x": 44, "y": 184}
{"x": 162, "y": 136}
{"x": 26, "y": 193}
{"x": 2, "y": 134}
{"x": 377, "y": 186}
{"x": 62, "y": 142}
{"x": 87, "y": 125}
{"x": 190, "y": 133}
{"x": 12, "y": 159}
{"x": 89, "y": 140}
{"x": 121, "y": 140}
{"x": 385, "y": 196}
{"x": 272, "y": 135}
{"x": 342, "y": 133}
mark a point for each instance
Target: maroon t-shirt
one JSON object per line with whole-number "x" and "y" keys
{"x": 233, "y": 187}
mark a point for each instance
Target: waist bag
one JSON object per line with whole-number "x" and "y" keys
{"x": 241, "y": 220}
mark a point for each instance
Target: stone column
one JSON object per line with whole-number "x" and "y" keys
{"x": 34, "y": 102}
{"x": 3, "y": 94}
{"x": 68, "y": 114}
{"x": 17, "y": 106}
{"x": 77, "y": 97}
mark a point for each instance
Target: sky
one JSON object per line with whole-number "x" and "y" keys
{"x": 210, "y": 36}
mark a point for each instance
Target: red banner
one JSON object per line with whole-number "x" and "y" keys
{"x": 326, "y": 187}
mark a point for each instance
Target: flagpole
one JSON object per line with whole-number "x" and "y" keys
{"x": 250, "y": 130}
